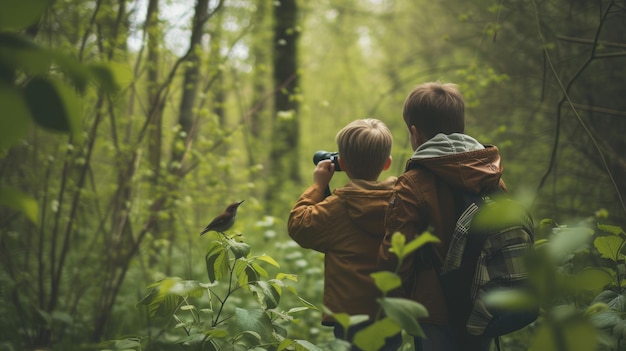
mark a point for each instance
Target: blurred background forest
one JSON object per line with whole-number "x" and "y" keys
{"x": 217, "y": 101}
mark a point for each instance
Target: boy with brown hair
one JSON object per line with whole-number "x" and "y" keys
{"x": 348, "y": 225}
{"x": 445, "y": 165}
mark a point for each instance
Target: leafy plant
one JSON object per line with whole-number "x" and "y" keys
{"x": 38, "y": 85}
{"x": 213, "y": 316}
{"x": 578, "y": 278}
{"x": 41, "y": 88}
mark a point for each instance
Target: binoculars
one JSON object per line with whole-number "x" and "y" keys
{"x": 327, "y": 155}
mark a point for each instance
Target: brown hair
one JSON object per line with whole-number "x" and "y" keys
{"x": 435, "y": 108}
{"x": 364, "y": 147}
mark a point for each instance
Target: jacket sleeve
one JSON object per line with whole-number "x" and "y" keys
{"x": 309, "y": 220}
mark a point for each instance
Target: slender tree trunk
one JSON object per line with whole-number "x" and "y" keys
{"x": 120, "y": 232}
{"x": 261, "y": 53}
{"x": 261, "y": 107}
{"x": 285, "y": 130}
{"x": 216, "y": 75}
{"x": 155, "y": 125}
{"x": 153, "y": 33}
{"x": 190, "y": 80}
{"x": 186, "y": 115}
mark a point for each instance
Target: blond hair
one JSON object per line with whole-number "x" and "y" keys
{"x": 364, "y": 147}
{"x": 434, "y": 108}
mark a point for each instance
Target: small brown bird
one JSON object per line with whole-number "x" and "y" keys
{"x": 224, "y": 221}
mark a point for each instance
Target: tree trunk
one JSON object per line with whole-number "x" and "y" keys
{"x": 153, "y": 58}
{"x": 190, "y": 80}
{"x": 261, "y": 53}
{"x": 216, "y": 76}
{"x": 285, "y": 130}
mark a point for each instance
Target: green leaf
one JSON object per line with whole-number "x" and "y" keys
{"x": 613, "y": 229}
{"x": 500, "y": 213}
{"x": 291, "y": 277}
{"x": 187, "y": 288}
{"x": 303, "y": 345}
{"x": 418, "y": 242}
{"x": 104, "y": 77}
{"x": 130, "y": 344}
{"x": 609, "y": 246}
{"x": 15, "y": 119}
{"x": 259, "y": 270}
{"x": 278, "y": 285}
{"x": 159, "y": 301}
{"x": 397, "y": 244}
{"x": 613, "y": 299}
{"x": 16, "y": 14}
{"x": 308, "y": 304}
{"x": 78, "y": 74}
{"x": 245, "y": 272}
{"x": 61, "y": 317}
{"x": 255, "y": 320}
{"x": 593, "y": 279}
{"x": 21, "y": 202}
{"x": 372, "y": 337}
{"x": 239, "y": 249}
{"x": 567, "y": 241}
{"x": 268, "y": 259}
{"x": 247, "y": 340}
{"x": 217, "y": 333}
{"x": 576, "y": 334}
{"x": 297, "y": 309}
{"x": 54, "y": 106}
{"x": 336, "y": 345}
{"x": 342, "y": 318}
{"x": 607, "y": 319}
{"x": 266, "y": 294}
{"x": 386, "y": 281}
{"x": 402, "y": 250}
{"x": 511, "y": 300}
{"x": 284, "y": 344}
{"x": 19, "y": 53}
{"x": 195, "y": 341}
{"x": 122, "y": 74}
{"x": 217, "y": 261}
{"x": 404, "y": 312}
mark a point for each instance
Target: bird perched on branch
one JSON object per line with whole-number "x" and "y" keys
{"x": 225, "y": 220}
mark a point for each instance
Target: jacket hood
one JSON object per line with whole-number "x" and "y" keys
{"x": 461, "y": 161}
{"x": 364, "y": 200}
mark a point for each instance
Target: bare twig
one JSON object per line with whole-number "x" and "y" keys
{"x": 566, "y": 98}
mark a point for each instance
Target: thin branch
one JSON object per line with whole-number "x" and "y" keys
{"x": 69, "y": 228}
{"x": 92, "y": 21}
{"x": 566, "y": 98}
{"x": 590, "y": 41}
{"x": 495, "y": 32}
{"x": 161, "y": 93}
{"x": 611, "y": 55}
{"x": 603, "y": 110}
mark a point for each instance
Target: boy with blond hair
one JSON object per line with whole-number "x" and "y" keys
{"x": 348, "y": 225}
{"x": 446, "y": 164}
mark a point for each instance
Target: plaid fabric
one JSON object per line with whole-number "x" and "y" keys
{"x": 500, "y": 265}
{"x": 459, "y": 238}
{"x": 474, "y": 267}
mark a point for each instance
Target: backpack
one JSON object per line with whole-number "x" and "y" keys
{"x": 492, "y": 237}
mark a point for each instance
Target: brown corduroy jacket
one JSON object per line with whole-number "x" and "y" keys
{"x": 426, "y": 197}
{"x": 347, "y": 227}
